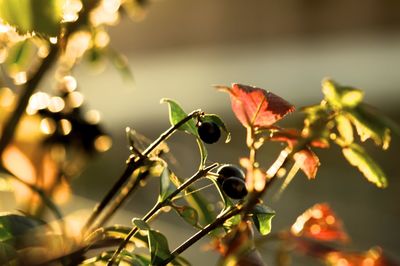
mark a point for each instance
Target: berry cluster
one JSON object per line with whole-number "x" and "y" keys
{"x": 231, "y": 179}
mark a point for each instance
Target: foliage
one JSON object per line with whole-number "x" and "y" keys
{"x": 64, "y": 137}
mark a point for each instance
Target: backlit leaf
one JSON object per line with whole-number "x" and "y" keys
{"x": 345, "y": 129}
{"x": 166, "y": 186}
{"x": 319, "y": 222}
{"x": 262, "y": 217}
{"x": 40, "y": 16}
{"x": 176, "y": 114}
{"x": 255, "y": 107}
{"x": 188, "y": 213}
{"x": 339, "y": 96}
{"x": 308, "y": 162}
{"x": 370, "y": 124}
{"x": 357, "y": 157}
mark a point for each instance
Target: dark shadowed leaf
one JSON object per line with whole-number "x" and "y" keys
{"x": 142, "y": 225}
{"x": 158, "y": 246}
{"x": 255, "y": 107}
{"x": 217, "y": 120}
{"x": 40, "y": 16}
{"x": 262, "y": 217}
{"x": 358, "y": 157}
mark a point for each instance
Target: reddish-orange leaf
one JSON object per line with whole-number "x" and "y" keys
{"x": 255, "y": 107}
{"x": 308, "y": 162}
{"x": 320, "y": 223}
{"x": 373, "y": 257}
{"x": 306, "y": 158}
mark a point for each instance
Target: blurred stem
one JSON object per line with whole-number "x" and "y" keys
{"x": 160, "y": 204}
{"x": 205, "y": 231}
{"x": 11, "y": 124}
{"x": 132, "y": 164}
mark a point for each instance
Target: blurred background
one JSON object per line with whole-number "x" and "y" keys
{"x": 183, "y": 47}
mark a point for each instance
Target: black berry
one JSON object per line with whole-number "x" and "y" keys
{"x": 209, "y": 132}
{"x": 234, "y": 187}
{"x": 229, "y": 170}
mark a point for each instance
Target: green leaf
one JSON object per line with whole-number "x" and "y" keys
{"x": 345, "y": 129}
{"x": 262, "y": 217}
{"x": 357, "y": 157}
{"x": 370, "y": 125}
{"x": 158, "y": 246}
{"x": 142, "y": 225}
{"x": 188, "y": 213}
{"x": 120, "y": 62}
{"x": 341, "y": 96}
{"x": 198, "y": 202}
{"x": 166, "y": 186}
{"x": 7, "y": 254}
{"x": 40, "y": 16}
{"x": 124, "y": 256}
{"x": 20, "y": 57}
{"x": 176, "y": 114}
{"x": 219, "y": 122}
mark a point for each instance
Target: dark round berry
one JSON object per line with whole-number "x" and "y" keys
{"x": 234, "y": 187}
{"x": 209, "y": 132}
{"x": 228, "y": 170}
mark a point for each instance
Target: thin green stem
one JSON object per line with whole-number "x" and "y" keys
{"x": 132, "y": 164}
{"x": 200, "y": 173}
{"x": 200, "y": 234}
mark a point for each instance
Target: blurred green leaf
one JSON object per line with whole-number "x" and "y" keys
{"x": 262, "y": 217}
{"x": 158, "y": 246}
{"x": 20, "y": 57}
{"x": 7, "y": 254}
{"x": 166, "y": 186}
{"x": 40, "y": 16}
{"x": 357, "y": 157}
{"x": 124, "y": 256}
{"x": 120, "y": 62}
{"x": 345, "y": 129}
{"x": 369, "y": 124}
{"x": 217, "y": 120}
{"x": 341, "y": 96}
{"x": 188, "y": 213}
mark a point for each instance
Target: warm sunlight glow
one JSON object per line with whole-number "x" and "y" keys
{"x": 103, "y": 143}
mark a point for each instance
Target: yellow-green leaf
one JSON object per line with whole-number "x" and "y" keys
{"x": 345, "y": 129}
{"x": 40, "y": 16}
{"x": 357, "y": 157}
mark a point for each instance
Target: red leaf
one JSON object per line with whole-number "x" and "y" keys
{"x": 374, "y": 257}
{"x": 306, "y": 158}
{"x": 320, "y": 223}
{"x": 308, "y": 162}
{"x": 255, "y": 107}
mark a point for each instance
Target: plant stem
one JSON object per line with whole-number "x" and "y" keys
{"x": 132, "y": 164}
{"x": 11, "y": 125}
{"x": 160, "y": 204}
{"x": 200, "y": 234}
